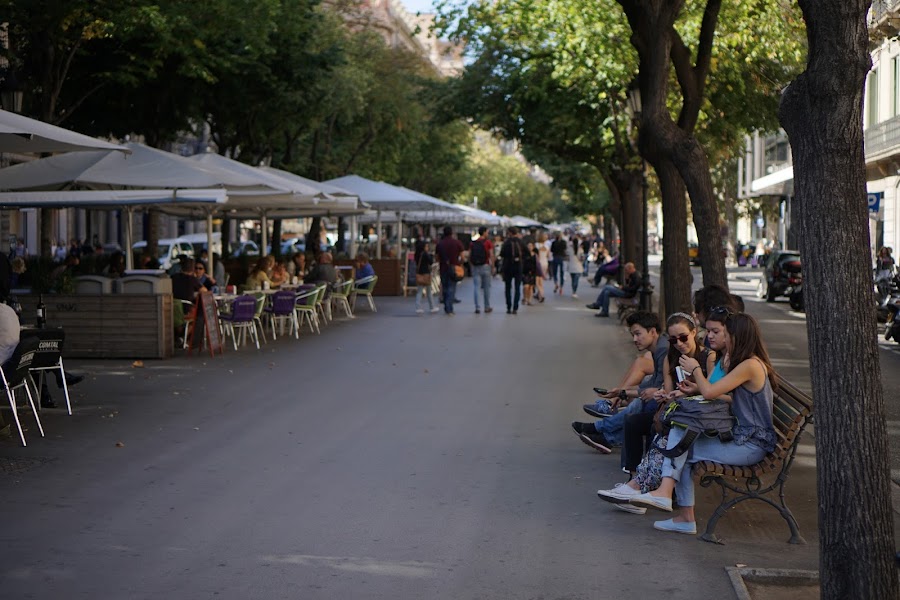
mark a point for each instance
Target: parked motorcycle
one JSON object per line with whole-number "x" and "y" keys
{"x": 892, "y": 326}
{"x": 796, "y": 296}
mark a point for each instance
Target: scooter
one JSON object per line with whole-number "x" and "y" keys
{"x": 892, "y": 326}
{"x": 796, "y": 296}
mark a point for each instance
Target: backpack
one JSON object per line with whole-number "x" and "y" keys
{"x": 698, "y": 416}
{"x": 478, "y": 253}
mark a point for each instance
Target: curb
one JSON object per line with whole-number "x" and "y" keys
{"x": 787, "y": 578}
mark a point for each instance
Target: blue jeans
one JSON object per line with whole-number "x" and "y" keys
{"x": 423, "y": 289}
{"x": 448, "y": 290}
{"x": 704, "y": 448}
{"x": 609, "y": 291}
{"x": 574, "y": 277}
{"x": 556, "y": 266}
{"x": 481, "y": 277}
{"x": 613, "y": 428}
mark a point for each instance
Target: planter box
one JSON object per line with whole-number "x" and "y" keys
{"x": 109, "y": 325}
{"x": 389, "y": 275}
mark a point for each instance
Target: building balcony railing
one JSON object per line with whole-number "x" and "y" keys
{"x": 884, "y": 18}
{"x": 883, "y": 137}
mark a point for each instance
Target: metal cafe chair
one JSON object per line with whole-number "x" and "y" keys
{"x": 14, "y": 374}
{"x": 281, "y": 310}
{"x": 243, "y": 310}
{"x": 48, "y": 357}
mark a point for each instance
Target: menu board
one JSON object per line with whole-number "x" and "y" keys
{"x": 206, "y": 325}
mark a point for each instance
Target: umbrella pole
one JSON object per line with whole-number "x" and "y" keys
{"x": 264, "y": 225}
{"x": 354, "y": 234}
{"x": 129, "y": 239}
{"x": 209, "y": 243}
{"x": 378, "y": 234}
{"x": 399, "y": 236}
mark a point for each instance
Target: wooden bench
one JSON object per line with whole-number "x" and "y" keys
{"x": 792, "y": 413}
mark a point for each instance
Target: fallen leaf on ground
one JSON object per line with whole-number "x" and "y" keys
{"x": 120, "y": 444}
{"x": 137, "y": 364}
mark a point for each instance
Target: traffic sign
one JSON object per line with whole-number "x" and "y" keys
{"x": 875, "y": 199}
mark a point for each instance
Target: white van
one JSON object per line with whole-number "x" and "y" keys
{"x": 200, "y": 241}
{"x": 168, "y": 251}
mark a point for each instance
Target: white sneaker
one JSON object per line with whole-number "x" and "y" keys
{"x": 435, "y": 309}
{"x": 419, "y": 311}
{"x": 622, "y": 492}
{"x": 575, "y": 296}
{"x": 630, "y": 508}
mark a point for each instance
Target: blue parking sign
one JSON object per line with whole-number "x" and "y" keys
{"x": 875, "y": 199}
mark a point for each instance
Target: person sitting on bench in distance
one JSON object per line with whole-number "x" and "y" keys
{"x": 632, "y": 283}
{"x": 683, "y": 341}
{"x": 748, "y": 378}
{"x": 602, "y": 435}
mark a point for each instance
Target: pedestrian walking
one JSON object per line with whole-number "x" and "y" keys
{"x": 512, "y": 254}
{"x": 576, "y": 260}
{"x": 449, "y": 251}
{"x": 543, "y": 266}
{"x": 481, "y": 261}
{"x": 424, "y": 260}
{"x": 529, "y": 273}
{"x": 559, "y": 252}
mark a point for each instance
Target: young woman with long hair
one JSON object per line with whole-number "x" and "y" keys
{"x": 747, "y": 384}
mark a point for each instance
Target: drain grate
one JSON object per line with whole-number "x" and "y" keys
{"x": 16, "y": 465}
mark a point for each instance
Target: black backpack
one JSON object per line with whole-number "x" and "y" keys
{"x": 478, "y": 254}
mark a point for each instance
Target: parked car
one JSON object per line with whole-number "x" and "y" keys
{"x": 780, "y": 274}
{"x": 167, "y": 251}
{"x": 694, "y": 253}
{"x": 246, "y": 248}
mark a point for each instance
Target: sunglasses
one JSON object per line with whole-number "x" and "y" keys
{"x": 721, "y": 310}
{"x": 683, "y": 338}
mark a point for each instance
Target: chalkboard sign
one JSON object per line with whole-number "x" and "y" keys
{"x": 206, "y": 325}
{"x": 410, "y": 269}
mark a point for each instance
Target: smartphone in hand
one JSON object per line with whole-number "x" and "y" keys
{"x": 601, "y": 391}
{"x": 681, "y": 374}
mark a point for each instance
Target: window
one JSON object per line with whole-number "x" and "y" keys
{"x": 872, "y": 98}
{"x": 895, "y": 88}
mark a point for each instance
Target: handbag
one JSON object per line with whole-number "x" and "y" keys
{"x": 698, "y": 416}
{"x": 422, "y": 278}
{"x": 458, "y": 272}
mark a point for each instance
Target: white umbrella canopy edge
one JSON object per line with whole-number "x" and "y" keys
{"x": 22, "y": 135}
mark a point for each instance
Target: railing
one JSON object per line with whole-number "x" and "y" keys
{"x": 883, "y": 136}
{"x": 881, "y": 9}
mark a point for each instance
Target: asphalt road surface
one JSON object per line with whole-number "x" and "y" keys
{"x": 395, "y": 456}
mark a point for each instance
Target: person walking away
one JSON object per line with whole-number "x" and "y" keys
{"x": 576, "y": 264}
{"x": 543, "y": 264}
{"x": 529, "y": 273}
{"x": 481, "y": 260}
{"x": 449, "y": 250}
{"x": 424, "y": 260}
{"x": 512, "y": 253}
{"x": 558, "y": 250}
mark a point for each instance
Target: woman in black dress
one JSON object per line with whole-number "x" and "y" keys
{"x": 529, "y": 272}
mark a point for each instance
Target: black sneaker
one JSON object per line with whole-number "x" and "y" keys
{"x": 583, "y": 428}
{"x": 596, "y": 441}
{"x": 592, "y": 410}
{"x": 602, "y": 315}
{"x": 477, "y": 311}
{"x": 593, "y": 306}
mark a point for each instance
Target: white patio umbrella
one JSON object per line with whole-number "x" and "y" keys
{"x": 386, "y": 197}
{"x": 22, "y": 135}
{"x": 144, "y": 168}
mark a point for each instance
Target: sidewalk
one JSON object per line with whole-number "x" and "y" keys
{"x": 410, "y": 456}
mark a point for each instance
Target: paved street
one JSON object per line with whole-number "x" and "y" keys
{"x": 394, "y": 456}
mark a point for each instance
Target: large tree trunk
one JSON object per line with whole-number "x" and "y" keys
{"x": 276, "y": 238}
{"x": 676, "y": 275}
{"x": 46, "y": 217}
{"x": 822, "y": 113}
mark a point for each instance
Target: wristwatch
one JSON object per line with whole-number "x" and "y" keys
{"x": 623, "y": 394}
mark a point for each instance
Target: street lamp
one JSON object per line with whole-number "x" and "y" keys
{"x": 634, "y": 105}
{"x": 11, "y": 92}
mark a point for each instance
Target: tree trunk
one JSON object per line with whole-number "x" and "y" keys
{"x": 676, "y": 275}
{"x": 46, "y": 217}
{"x": 822, "y": 113}
{"x": 313, "y": 237}
{"x": 631, "y": 225}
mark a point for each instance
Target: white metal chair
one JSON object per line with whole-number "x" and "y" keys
{"x": 15, "y": 376}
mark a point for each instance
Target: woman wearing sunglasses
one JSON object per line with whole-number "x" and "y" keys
{"x": 747, "y": 377}
{"x": 682, "y": 330}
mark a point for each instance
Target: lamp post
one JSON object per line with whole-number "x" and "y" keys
{"x": 634, "y": 105}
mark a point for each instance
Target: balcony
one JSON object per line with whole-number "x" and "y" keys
{"x": 884, "y": 19}
{"x": 883, "y": 139}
